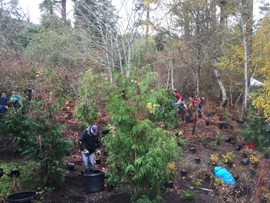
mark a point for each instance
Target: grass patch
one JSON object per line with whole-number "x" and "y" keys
{"x": 27, "y": 179}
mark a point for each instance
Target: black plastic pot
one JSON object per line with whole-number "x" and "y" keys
{"x": 192, "y": 149}
{"x": 225, "y": 126}
{"x": 169, "y": 184}
{"x": 98, "y": 161}
{"x": 220, "y": 118}
{"x": 70, "y": 166}
{"x": 220, "y": 126}
{"x": 1, "y": 172}
{"x": 244, "y": 155}
{"x": 252, "y": 173}
{"x": 237, "y": 147}
{"x": 179, "y": 144}
{"x": 22, "y": 197}
{"x": 105, "y": 132}
{"x": 94, "y": 182}
{"x": 231, "y": 127}
{"x": 246, "y": 190}
{"x": 236, "y": 178}
{"x": 263, "y": 201}
{"x": 228, "y": 140}
{"x": 207, "y": 123}
{"x": 15, "y": 172}
{"x": 110, "y": 188}
{"x": 233, "y": 119}
{"x": 183, "y": 173}
{"x": 245, "y": 161}
{"x": 229, "y": 164}
{"x": 187, "y": 119}
{"x": 215, "y": 164}
{"x": 237, "y": 121}
{"x": 266, "y": 156}
{"x": 197, "y": 160}
{"x": 255, "y": 166}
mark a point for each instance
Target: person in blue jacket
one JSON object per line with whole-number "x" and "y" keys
{"x": 224, "y": 174}
{"x": 3, "y": 106}
{"x": 4, "y": 99}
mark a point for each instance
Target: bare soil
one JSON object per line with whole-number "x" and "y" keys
{"x": 73, "y": 190}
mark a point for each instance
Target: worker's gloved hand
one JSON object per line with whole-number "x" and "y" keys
{"x": 98, "y": 152}
{"x": 86, "y": 152}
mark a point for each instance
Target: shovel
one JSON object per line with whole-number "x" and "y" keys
{"x": 198, "y": 188}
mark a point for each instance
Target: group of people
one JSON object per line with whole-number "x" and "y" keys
{"x": 180, "y": 102}
{"x": 14, "y": 101}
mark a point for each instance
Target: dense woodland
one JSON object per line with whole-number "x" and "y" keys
{"x": 110, "y": 60}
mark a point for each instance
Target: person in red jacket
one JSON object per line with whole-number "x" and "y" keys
{"x": 180, "y": 102}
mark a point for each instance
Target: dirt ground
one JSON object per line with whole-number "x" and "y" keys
{"x": 73, "y": 190}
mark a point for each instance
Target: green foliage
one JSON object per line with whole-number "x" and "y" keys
{"x": 93, "y": 94}
{"x": 219, "y": 137}
{"x": 266, "y": 150}
{"x": 41, "y": 140}
{"x": 189, "y": 194}
{"x": 28, "y": 179}
{"x": 136, "y": 146}
{"x": 256, "y": 131}
{"x": 166, "y": 111}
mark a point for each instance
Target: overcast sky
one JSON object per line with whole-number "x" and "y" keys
{"x": 33, "y": 8}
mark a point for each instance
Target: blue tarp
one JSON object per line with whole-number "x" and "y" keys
{"x": 224, "y": 174}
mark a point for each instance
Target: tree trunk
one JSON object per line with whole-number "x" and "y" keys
{"x": 64, "y": 10}
{"x": 172, "y": 82}
{"x": 147, "y": 25}
{"x": 220, "y": 83}
{"x": 186, "y": 20}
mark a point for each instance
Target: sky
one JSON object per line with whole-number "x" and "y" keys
{"x": 32, "y": 6}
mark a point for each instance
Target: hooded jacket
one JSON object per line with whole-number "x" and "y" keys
{"x": 89, "y": 141}
{"x": 224, "y": 174}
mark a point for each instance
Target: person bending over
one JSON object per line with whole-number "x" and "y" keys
{"x": 89, "y": 141}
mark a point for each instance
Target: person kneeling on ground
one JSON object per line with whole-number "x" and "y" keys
{"x": 89, "y": 141}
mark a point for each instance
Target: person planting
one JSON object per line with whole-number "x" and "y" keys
{"x": 14, "y": 100}
{"x": 89, "y": 141}
{"x": 30, "y": 93}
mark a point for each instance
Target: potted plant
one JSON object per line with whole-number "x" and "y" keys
{"x": 214, "y": 159}
{"x": 203, "y": 140}
{"x": 252, "y": 171}
{"x": 246, "y": 152}
{"x": 219, "y": 138}
{"x": 264, "y": 194}
{"x": 235, "y": 175}
{"x": 266, "y": 152}
{"x": 197, "y": 157}
{"x": 229, "y": 159}
{"x": 254, "y": 160}
{"x": 183, "y": 168}
{"x": 170, "y": 170}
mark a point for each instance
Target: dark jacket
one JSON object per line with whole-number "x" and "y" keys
{"x": 3, "y": 101}
{"x": 89, "y": 141}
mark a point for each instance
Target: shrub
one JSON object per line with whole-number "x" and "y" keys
{"x": 138, "y": 150}
{"x": 40, "y": 140}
